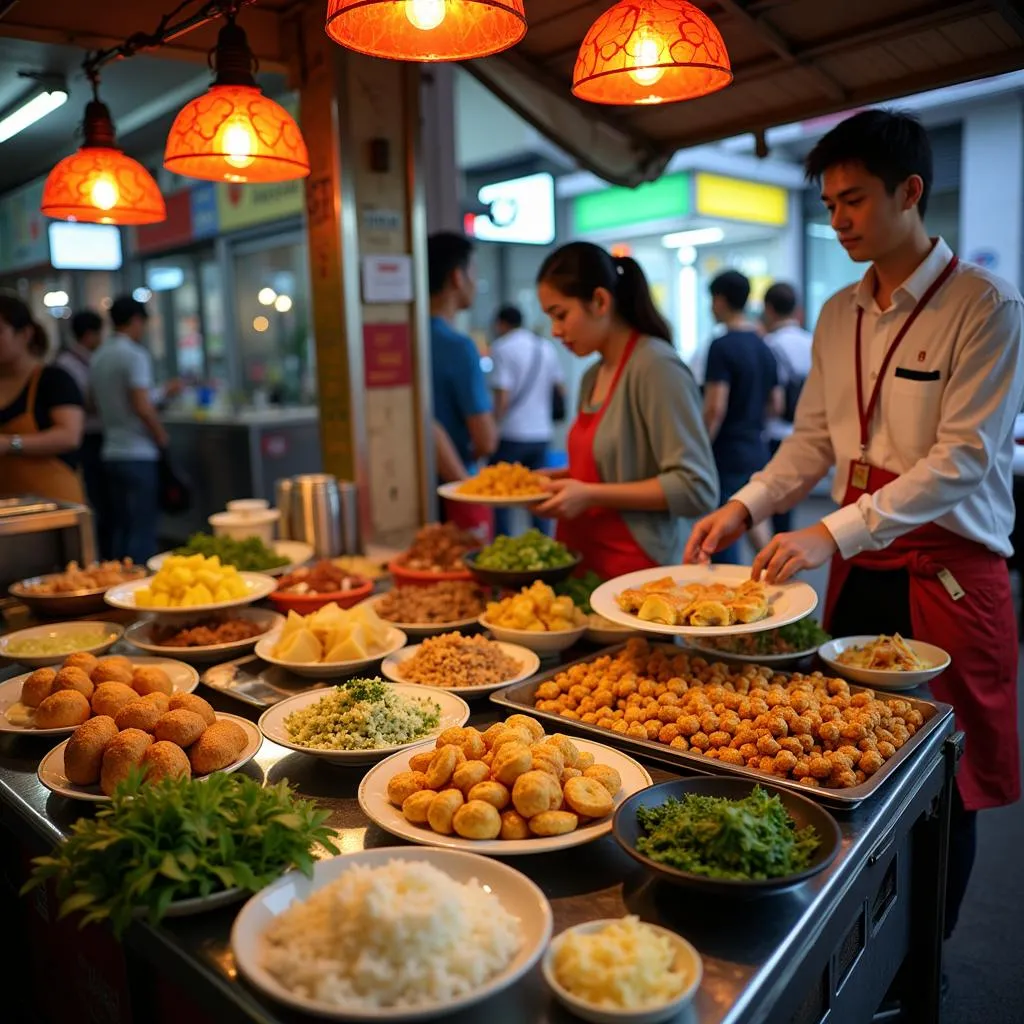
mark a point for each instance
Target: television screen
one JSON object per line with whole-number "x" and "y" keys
{"x": 84, "y": 246}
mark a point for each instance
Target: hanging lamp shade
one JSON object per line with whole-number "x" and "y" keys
{"x": 233, "y": 132}
{"x": 426, "y": 30}
{"x": 651, "y": 51}
{"x": 99, "y": 184}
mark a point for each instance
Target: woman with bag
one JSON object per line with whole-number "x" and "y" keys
{"x": 639, "y": 456}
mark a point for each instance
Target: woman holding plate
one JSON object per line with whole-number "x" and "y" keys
{"x": 639, "y": 456}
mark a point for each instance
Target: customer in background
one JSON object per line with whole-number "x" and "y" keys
{"x": 525, "y": 380}
{"x": 741, "y": 393}
{"x": 86, "y": 336}
{"x": 40, "y": 412}
{"x": 790, "y": 343}
{"x": 121, "y": 377}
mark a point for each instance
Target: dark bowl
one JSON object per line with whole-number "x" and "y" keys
{"x": 804, "y": 812}
{"x": 514, "y": 579}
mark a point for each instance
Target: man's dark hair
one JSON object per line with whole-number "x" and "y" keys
{"x": 446, "y": 253}
{"x": 125, "y": 309}
{"x": 734, "y": 287}
{"x": 510, "y": 315}
{"x": 782, "y": 298}
{"x": 85, "y": 322}
{"x": 891, "y": 145}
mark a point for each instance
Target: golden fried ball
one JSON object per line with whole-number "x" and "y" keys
{"x": 404, "y": 784}
{"x": 123, "y": 753}
{"x": 109, "y": 698}
{"x": 477, "y": 819}
{"x": 62, "y": 709}
{"x": 607, "y": 776}
{"x": 190, "y": 702}
{"x": 442, "y": 766}
{"x": 219, "y": 745}
{"x": 588, "y": 797}
{"x": 491, "y": 792}
{"x": 421, "y": 762}
{"x": 467, "y": 775}
{"x": 74, "y": 679}
{"x": 138, "y": 714}
{"x": 534, "y": 792}
{"x": 83, "y": 756}
{"x": 553, "y": 823}
{"x": 163, "y": 760}
{"x": 37, "y": 687}
{"x": 531, "y": 725}
{"x": 510, "y": 761}
{"x": 442, "y": 810}
{"x": 83, "y": 660}
{"x": 181, "y": 727}
{"x": 417, "y": 805}
{"x": 112, "y": 670}
{"x": 514, "y": 825}
{"x": 160, "y": 700}
{"x": 152, "y": 679}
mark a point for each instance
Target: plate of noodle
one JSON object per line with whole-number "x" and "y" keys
{"x": 884, "y": 662}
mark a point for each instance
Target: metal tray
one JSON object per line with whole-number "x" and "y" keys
{"x": 520, "y": 697}
{"x": 256, "y": 682}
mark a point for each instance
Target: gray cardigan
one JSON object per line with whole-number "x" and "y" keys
{"x": 653, "y": 427}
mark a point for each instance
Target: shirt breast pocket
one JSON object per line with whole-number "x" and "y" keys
{"x": 915, "y": 405}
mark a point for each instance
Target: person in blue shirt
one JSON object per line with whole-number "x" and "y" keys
{"x": 741, "y": 392}
{"x": 462, "y": 402}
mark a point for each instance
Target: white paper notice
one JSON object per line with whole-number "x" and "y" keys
{"x": 387, "y": 279}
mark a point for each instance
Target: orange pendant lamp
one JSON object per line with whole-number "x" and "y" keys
{"x": 233, "y": 132}
{"x": 651, "y": 51}
{"x": 426, "y": 30}
{"x": 99, "y": 184}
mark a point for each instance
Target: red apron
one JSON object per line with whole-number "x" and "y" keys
{"x": 600, "y": 534}
{"x": 977, "y": 627}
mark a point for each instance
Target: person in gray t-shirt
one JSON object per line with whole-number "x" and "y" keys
{"x": 121, "y": 377}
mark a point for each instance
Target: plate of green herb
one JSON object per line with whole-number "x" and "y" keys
{"x": 249, "y": 555}
{"x": 782, "y": 646}
{"x": 181, "y": 846}
{"x": 723, "y": 835}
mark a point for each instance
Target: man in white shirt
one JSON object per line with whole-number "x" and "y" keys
{"x": 525, "y": 379}
{"x": 917, "y": 375}
{"x": 790, "y": 343}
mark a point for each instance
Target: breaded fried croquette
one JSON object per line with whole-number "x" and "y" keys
{"x": 217, "y": 747}
{"x": 182, "y": 727}
{"x": 37, "y": 687}
{"x": 477, "y": 819}
{"x": 151, "y": 679}
{"x": 112, "y": 670}
{"x": 165, "y": 760}
{"x": 161, "y": 700}
{"x": 442, "y": 810}
{"x": 139, "y": 714}
{"x": 467, "y": 775}
{"x": 62, "y": 709}
{"x": 190, "y": 702}
{"x": 491, "y": 792}
{"x": 118, "y": 660}
{"x": 416, "y": 806}
{"x": 83, "y": 660}
{"x": 83, "y": 756}
{"x": 74, "y": 679}
{"x": 123, "y": 753}
{"x": 109, "y": 698}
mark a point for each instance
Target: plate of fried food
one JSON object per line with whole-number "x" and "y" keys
{"x": 471, "y": 666}
{"x": 885, "y": 662}
{"x": 507, "y": 791}
{"x": 54, "y": 701}
{"x": 428, "y": 611}
{"x": 701, "y": 600}
{"x": 77, "y": 590}
{"x": 186, "y": 738}
{"x": 536, "y": 618}
{"x": 205, "y": 639}
{"x": 505, "y": 484}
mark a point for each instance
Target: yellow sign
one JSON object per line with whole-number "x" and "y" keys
{"x": 242, "y": 206}
{"x": 749, "y": 201}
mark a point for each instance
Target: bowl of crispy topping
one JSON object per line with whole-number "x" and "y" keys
{"x": 427, "y": 611}
{"x": 209, "y": 638}
{"x": 435, "y": 556}
{"x": 77, "y": 590}
{"x": 311, "y": 587}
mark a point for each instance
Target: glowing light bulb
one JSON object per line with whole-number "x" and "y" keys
{"x": 238, "y": 144}
{"x": 103, "y": 193}
{"x": 425, "y": 14}
{"x": 648, "y": 55}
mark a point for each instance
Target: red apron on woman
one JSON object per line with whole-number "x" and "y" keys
{"x": 600, "y": 534}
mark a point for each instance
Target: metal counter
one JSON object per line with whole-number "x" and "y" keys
{"x": 827, "y": 950}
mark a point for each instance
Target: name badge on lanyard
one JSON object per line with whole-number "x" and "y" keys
{"x": 860, "y": 470}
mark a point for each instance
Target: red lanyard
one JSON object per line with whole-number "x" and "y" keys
{"x": 867, "y": 414}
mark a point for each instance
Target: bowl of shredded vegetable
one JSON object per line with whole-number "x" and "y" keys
{"x": 727, "y": 836}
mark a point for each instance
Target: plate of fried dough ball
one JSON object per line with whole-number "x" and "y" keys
{"x": 156, "y": 734}
{"x": 56, "y": 700}
{"x": 509, "y": 790}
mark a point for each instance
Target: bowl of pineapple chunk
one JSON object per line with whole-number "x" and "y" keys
{"x": 536, "y": 618}
{"x": 186, "y": 584}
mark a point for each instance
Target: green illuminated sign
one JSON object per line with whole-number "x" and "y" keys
{"x": 624, "y": 207}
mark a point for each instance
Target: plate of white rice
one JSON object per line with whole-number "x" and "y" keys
{"x": 392, "y": 934}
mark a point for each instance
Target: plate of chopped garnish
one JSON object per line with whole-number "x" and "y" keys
{"x": 782, "y": 646}
{"x": 727, "y": 836}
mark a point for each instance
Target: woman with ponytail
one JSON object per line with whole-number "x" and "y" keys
{"x": 639, "y": 456}
{"x": 41, "y": 414}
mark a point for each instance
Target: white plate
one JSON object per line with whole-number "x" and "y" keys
{"x": 884, "y": 679}
{"x": 329, "y": 670}
{"x": 52, "y": 775}
{"x": 788, "y": 602}
{"x": 515, "y": 892}
{"x": 110, "y": 631}
{"x": 184, "y": 679}
{"x": 545, "y": 644}
{"x": 200, "y": 904}
{"x": 296, "y": 551}
{"x": 373, "y": 799}
{"x": 529, "y": 661}
{"x": 257, "y": 584}
{"x": 454, "y": 712}
{"x": 752, "y": 659}
{"x": 139, "y": 635}
{"x": 419, "y": 630}
{"x": 685, "y": 955}
{"x": 451, "y": 492}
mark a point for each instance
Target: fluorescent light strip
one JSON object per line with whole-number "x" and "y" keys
{"x": 28, "y": 113}
{"x": 695, "y": 236}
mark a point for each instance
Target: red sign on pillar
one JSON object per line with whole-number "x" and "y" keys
{"x": 387, "y": 355}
